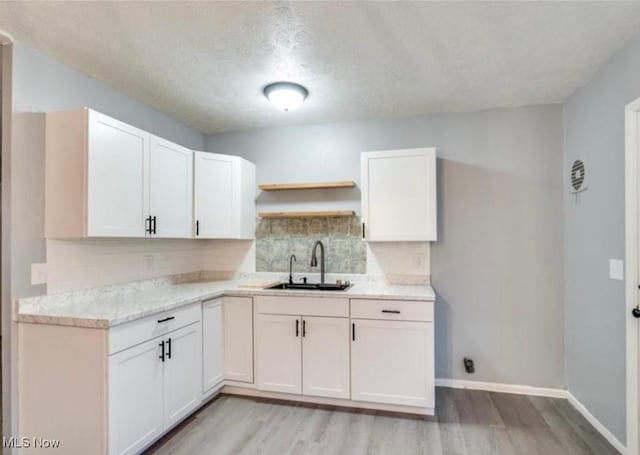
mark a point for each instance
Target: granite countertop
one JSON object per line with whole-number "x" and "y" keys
{"x": 114, "y": 305}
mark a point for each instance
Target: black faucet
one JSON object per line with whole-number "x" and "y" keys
{"x": 314, "y": 259}
{"x": 291, "y": 259}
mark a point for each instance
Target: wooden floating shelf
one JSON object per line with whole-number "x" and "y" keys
{"x": 306, "y": 186}
{"x": 331, "y": 214}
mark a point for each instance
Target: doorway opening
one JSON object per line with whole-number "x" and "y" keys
{"x": 632, "y": 273}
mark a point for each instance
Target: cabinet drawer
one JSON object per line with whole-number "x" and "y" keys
{"x": 135, "y": 332}
{"x": 399, "y": 310}
{"x": 307, "y": 306}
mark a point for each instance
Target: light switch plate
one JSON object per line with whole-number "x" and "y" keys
{"x": 39, "y": 273}
{"x": 616, "y": 269}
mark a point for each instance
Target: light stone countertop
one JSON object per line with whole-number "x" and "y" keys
{"x": 114, "y": 305}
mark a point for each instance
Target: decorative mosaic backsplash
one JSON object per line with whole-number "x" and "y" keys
{"x": 278, "y": 238}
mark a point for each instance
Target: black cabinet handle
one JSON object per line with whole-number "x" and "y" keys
{"x": 363, "y": 234}
{"x": 297, "y": 327}
{"x": 154, "y": 225}
{"x": 635, "y": 312}
{"x": 304, "y": 328}
{"x": 353, "y": 331}
{"x": 161, "y": 357}
{"x": 168, "y": 348}
{"x": 147, "y": 225}
{"x": 391, "y": 311}
{"x": 160, "y": 321}
{"x": 197, "y": 228}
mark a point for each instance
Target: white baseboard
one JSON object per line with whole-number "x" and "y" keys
{"x": 504, "y": 388}
{"x": 536, "y": 391}
{"x": 615, "y": 442}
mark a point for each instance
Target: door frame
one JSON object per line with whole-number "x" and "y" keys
{"x": 632, "y": 232}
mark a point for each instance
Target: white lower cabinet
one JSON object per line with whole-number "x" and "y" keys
{"x": 136, "y": 384}
{"x": 238, "y": 339}
{"x": 153, "y": 385}
{"x": 279, "y": 362}
{"x": 392, "y": 362}
{"x": 325, "y": 357}
{"x": 182, "y": 373}
{"x": 212, "y": 344}
{"x": 303, "y": 354}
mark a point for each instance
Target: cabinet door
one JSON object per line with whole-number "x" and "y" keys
{"x": 238, "y": 339}
{"x": 392, "y": 362}
{"x": 325, "y": 357}
{"x": 212, "y": 344}
{"x": 216, "y": 195}
{"x": 183, "y": 372}
{"x": 278, "y": 355}
{"x": 399, "y": 195}
{"x": 171, "y": 189}
{"x": 117, "y": 178}
{"x": 135, "y": 398}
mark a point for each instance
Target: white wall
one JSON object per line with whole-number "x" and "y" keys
{"x": 497, "y": 267}
{"x": 594, "y": 233}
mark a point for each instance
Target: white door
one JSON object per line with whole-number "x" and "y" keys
{"x": 135, "y": 398}
{"x": 325, "y": 357}
{"x": 118, "y": 178}
{"x": 399, "y": 195}
{"x": 238, "y": 339}
{"x": 216, "y": 198}
{"x": 278, "y": 353}
{"x": 392, "y": 362}
{"x": 171, "y": 189}
{"x": 212, "y": 344}
{"x": 183, "y": 372}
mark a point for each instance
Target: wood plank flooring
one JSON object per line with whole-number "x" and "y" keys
{"x": 466, "y": 423}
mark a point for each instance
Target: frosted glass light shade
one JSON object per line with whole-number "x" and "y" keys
{"x": 286, "y": 96}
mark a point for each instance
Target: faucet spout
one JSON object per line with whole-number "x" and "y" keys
{"x": 292, "y": 258}
{"x": 314, "y": 258}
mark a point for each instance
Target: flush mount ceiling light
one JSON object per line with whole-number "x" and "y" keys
{"x": 286, "y": 96}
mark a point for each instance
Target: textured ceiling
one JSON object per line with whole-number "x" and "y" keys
{"x": 205, "y": 63}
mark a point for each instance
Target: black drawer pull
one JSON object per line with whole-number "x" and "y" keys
{"x": 391, "y": 311}
{"x": 304, "y": 328}
{"x": 353, "y": 331}
{"x": 160, "y": 321}
{"x": 297, "y": 327}
{"x": 169, "y": 348}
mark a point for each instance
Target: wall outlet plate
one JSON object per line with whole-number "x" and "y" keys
{"x": 616, "y": 269}
{"x": 39, "y": 273}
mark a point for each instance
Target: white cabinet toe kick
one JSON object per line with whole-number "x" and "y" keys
{"x": 118, "y": 390}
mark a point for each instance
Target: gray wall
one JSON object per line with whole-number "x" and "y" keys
{"x": 594, "y": 233}
{"x": 42, "y": 84}
{"x": 498, "y": 266}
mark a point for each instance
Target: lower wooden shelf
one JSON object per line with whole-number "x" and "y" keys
{"x": 328, "y": 214}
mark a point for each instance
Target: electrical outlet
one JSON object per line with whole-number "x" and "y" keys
{"x": 418, "y": 261}
{"x": 616, "y": 269}
{"x": 150, "y": 262}
{"x": 38, "y": 273}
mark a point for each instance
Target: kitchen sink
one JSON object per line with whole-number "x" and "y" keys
{"x": 313, "y": 286}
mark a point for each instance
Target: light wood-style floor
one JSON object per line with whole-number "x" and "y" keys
{"x": 466, "y": 422}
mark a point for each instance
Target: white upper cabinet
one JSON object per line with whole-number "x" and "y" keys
{"x": 117, "y": 180}
{"x": 224, "y": 197}
{"x": 104, "y": 178}
{"x": 171, "y": 189}
{"x": 399, "y": 195}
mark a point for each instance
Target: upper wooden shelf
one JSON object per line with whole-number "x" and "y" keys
{"x": 307, "y": 186}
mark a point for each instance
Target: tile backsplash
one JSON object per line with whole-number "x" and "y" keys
{"x": 278, "y": 238}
